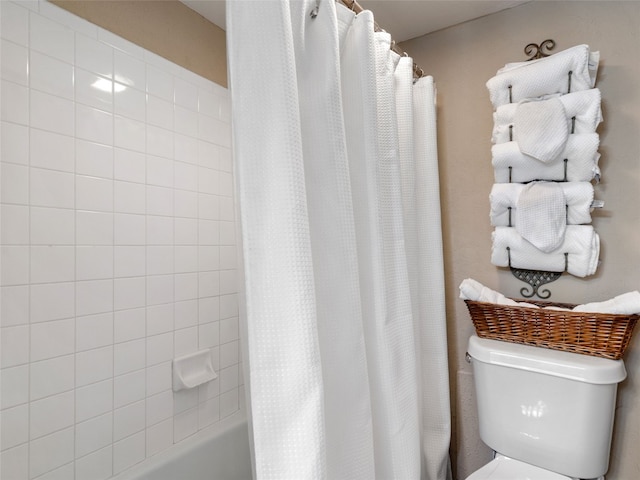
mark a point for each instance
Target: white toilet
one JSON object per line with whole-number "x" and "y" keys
{"x": 547, "y": 414}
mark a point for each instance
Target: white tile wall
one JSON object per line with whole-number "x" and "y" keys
{"x": 117, "y": 248}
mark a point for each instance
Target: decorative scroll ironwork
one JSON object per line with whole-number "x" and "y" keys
{"x": 535, "y": 51}
{"x": 535, "y": 279}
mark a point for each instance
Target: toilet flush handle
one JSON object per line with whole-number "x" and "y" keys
{"x": 467, "y": 357}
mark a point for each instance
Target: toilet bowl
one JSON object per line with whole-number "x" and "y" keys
{"x": 547, "y": 414}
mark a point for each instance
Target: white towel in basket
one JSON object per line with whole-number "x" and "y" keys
{"x": 545, "y": 76}
{"x": 625, "y": 304}
{"x": 471, "y": 289}
{"x": 581, "y": 243}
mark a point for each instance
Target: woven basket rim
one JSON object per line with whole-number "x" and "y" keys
{"x": 557, "y": 304}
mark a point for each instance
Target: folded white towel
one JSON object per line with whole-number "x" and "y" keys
{"x": 504, "y": 196}
{"x": 470, "y": 289}
{"x": 541, "y": 215}
{"x": 581, "y": 153}
{"x": 540, "y": 128}
{"x": 582, "y": 109}
{"x": 625, "y": 304}
{"x": 581, "y": 244}
{"x": 517, "y": 81}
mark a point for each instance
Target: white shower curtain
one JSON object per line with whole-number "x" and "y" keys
{"x": 337, "y": 188}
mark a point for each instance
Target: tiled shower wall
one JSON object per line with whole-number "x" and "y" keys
{"x": 118, "y": 248}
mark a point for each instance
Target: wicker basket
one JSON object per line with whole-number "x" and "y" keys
{"x": 596, "y": 334}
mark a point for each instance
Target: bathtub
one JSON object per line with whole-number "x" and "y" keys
{"x": 219, "y": 452}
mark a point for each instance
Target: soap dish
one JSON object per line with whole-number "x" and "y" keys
{"x": 192, "y": 370}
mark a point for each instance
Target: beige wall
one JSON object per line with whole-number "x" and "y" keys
{"x": 166, "y": 27}
{"x": 462, "y": 59}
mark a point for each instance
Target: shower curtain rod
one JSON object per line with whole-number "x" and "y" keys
{"x": 357, "y": 8}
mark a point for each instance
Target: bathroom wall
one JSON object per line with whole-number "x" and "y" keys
{"x": 462, "y": 58}
{"x": 166, "y": 27}
{"x": 99, "y": 434}
{"x": 118, "y": 248}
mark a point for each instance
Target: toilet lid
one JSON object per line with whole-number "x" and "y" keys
{"x": 505, "y": 468}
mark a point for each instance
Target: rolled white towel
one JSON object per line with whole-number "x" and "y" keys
{"x": 504, "y": 196}
{"x": 549, "y": 75}
{"x": 561, "y": 309}
{"x": 624, "y": 304}
{"x": 471, "y": 289}
{"x": 581, "y": 243}
{"x": 581, "y": 154}
{"x": 583, "y": 114}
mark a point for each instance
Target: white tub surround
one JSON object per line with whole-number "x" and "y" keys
{"x": 118, "y": 248}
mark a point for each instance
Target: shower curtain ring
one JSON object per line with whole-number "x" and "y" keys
{"x": 315, "y": 10}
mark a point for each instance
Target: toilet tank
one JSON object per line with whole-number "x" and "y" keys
{"x": 544, "y": 407}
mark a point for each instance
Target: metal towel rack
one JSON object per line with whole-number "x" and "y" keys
{"x": 537, "y": 278}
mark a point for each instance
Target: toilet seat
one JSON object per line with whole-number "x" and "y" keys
{"x": 505, "y": 468}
